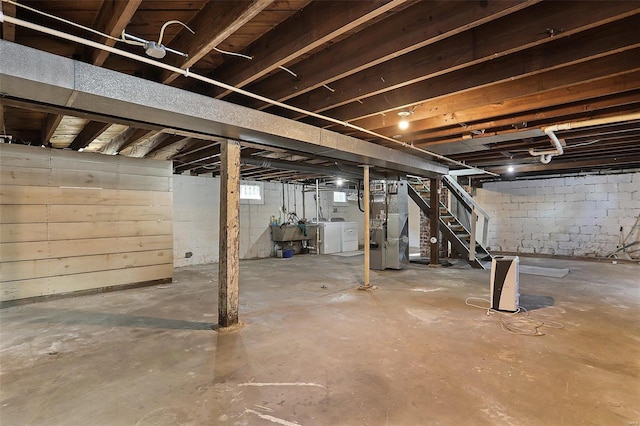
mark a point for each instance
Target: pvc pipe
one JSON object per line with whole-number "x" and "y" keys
{"x": 187, "y": 73}
{"x": 598, "y": 121}
{"x": 546, "y": 158}
{"x": 547, "y": 155}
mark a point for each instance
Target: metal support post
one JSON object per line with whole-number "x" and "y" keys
{"x": 434, "y": 222}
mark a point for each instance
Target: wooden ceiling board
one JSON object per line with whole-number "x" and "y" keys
{"x": 492, "y": 67}
{"x": 23, "y": 125}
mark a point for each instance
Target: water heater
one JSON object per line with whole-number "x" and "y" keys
{"x": 505, "y": 282}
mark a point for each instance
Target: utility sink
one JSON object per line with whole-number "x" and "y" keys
{"x": 292, "y": 233}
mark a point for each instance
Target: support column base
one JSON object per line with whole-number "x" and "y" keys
{"x": 367, "y": 287}
{"x": 233, "y": 327}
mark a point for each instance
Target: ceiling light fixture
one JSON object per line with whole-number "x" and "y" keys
{"x": 339, "y": 182}
{"x": 403, "y": 124}
{"x": 510, "y": 169}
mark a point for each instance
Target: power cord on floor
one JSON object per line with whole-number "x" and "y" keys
{"x": 512, "y": 322}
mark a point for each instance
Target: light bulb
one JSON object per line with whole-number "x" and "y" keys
{"x": 339, "y": 182}
{"x": 510, "y": 169}
{"x": 403, "y": 124}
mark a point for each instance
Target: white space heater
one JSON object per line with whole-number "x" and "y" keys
{"x": 505, "y": 281}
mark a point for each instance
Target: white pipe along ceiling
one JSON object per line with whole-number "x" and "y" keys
{"x": 547, "y": 155}
{"x": 188, "y": 73}
{"x": 42, "y": 77}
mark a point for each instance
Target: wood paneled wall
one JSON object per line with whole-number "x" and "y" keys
{"x": 73, "y": 221}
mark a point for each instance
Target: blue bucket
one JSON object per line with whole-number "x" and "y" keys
{"x": 288, "y": 253}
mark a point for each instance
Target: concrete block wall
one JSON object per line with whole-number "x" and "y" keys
{"x": 196, "y": 217}
{"x": 255, "y": 235}
{"x": 571, "y": 216}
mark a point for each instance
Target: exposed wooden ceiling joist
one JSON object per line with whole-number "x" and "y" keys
{"x": 543, "y": 117}
{"x": 393, "y": 37}
{"x": 8, "y": 29}
{"x": 112, "y": 20}
{"x": 489, "y": 69}
{"x": 328, "y": 19}
{"x": 212, "y": 26}
{"x": 612, "y": 74}
{"x": 455, "y": 59}
{"x": 90, "y": 131}
{"x": 125, "y": 139}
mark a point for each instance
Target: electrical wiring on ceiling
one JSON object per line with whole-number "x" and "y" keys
{"x": 287, "y": 70}
{"x": 157, "y": 48}
{"x": 226, "y": 52}
{"x": 187, "y": 73}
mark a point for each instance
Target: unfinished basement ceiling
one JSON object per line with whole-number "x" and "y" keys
{"x": 477, "y": 81}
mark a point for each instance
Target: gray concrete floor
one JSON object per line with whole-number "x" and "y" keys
{"x": 315, "y": 351}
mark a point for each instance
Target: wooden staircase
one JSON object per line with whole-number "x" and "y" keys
{"x": 451, "y": 228}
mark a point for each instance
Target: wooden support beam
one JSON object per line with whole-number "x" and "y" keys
{"x": 8, "y": 29}
{"x": 559, "y": 166}
{"x": 493, "y": 97}
{"x": 49, "y": 126}
{"x": 367, "y": 224}
{"x": 529, "y": 104}
{"x": 499, "y": 56}
{"x": 391, "y": 45}
{"x": 200, "y": 158}
{"x": 212, "y": 26}
{"x": 112, "y": 19}
{"x": 229, "y": 243}
{"x": 167, "y": 148}
{"x": 154, "y": 143}
{"x": 328, "y": 19}
{"x": 546, "y": 117}
{"x": 91, "y": 130}
{"x": 434, "y": 222}
{"x": 126, "y": 138}
{"x": 486, "y": 84}
{"x": 62, "y": 111}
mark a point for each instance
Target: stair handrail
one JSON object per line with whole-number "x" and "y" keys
{"x": 461, "y": 246}
{"x": 471, "y": 204}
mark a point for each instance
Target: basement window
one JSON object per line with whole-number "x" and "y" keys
{"x": 339, "y": 197}
{"x": 251, "y": 193}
